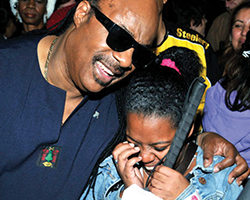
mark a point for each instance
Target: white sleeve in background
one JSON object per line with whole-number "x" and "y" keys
{"x": 194, "y": 196}
{"x": 134, "y": 192}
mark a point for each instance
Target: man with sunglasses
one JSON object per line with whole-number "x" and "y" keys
{"x": 55, "y": 121}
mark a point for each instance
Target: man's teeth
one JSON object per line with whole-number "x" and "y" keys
{"x": 149, "y": 168}
{"x": 105, "y": 69}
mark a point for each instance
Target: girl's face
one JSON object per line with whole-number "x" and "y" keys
{"x": 240, "y": 28}
{"x": 153, "y": 135}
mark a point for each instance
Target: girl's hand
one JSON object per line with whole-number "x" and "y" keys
{"x": 123, "y": 153}
{"x": 167, "y": 183}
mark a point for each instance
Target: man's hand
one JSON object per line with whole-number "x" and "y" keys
{"x": 214, "y": 144}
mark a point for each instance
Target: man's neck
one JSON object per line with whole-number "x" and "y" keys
{"x": 57, "y": 71}
{"x": 161, "y": 33}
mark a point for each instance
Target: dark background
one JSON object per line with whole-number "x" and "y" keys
{"x": 214, "y": 8}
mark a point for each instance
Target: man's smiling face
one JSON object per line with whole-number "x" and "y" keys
{"x": 95, "y": 64}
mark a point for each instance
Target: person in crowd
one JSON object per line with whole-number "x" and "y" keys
{"x": 218, "y": 33}
{"x": 61, "y": 110}
{"x": 33, "y": 14}
{"x": 62, "y": 8}
{"x": 239, "y": 28}
{"x": 8, "y": 26}
{"x": 154, "y": 101}
{"x": 191, "y": 14}
{"x": 172, "y": 34}
{"x": 227, "y": 109}
{"x": 180, "y": 34}
{"x": 64, "y": 3}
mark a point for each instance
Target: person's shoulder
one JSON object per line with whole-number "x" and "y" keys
{"x": 108, "y": 171}
{"x": 170, "y": 26}
{"x": 108, "y": 162}
{"x": 216, "y": 91}
{"x": 22, "y": 41}
{"x": 214, "y": 185}
{"x": 221, "y": 21}
{"x": 17, "y": 51}
{"x": 185, "y": 35}
{"x": 222, "y": 17}
{"x": 17, "y": 54}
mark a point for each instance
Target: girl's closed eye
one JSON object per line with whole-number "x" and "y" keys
{"x": 161, "y": 148}
{"x": 131, "y": 140}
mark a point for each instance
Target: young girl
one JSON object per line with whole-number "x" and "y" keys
{"x": 154, "y": 106}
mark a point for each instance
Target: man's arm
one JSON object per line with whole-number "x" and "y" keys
{"x": 214, "y": 144}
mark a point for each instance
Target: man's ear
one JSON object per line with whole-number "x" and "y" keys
{"x": 81, "y": 13}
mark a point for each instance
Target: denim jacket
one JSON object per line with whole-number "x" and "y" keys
{"x": 209, "y": 185}
{"x": 108, "y": 182}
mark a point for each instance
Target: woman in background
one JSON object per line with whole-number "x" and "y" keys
{"x": 240, "y": 24}
{"x": 227, "y": 107}
{"x": 33, "y": 14}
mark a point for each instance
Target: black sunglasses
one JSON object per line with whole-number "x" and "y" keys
{"x": 120, "y": 40}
